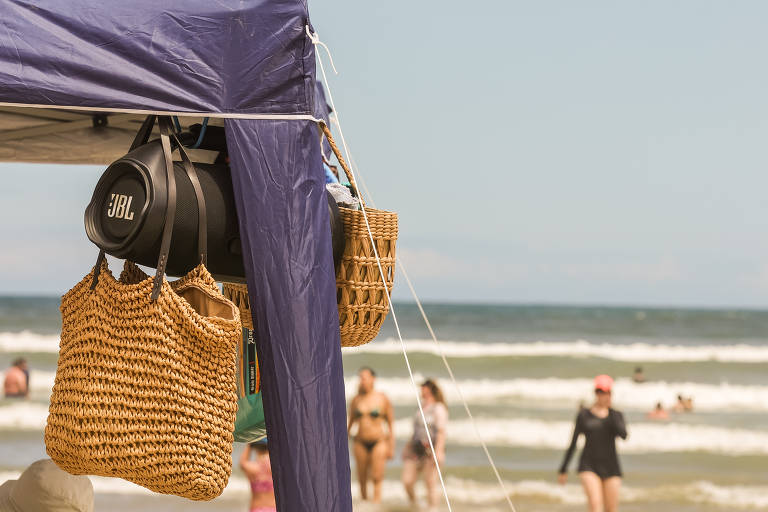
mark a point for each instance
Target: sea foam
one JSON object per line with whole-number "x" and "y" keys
{"x": 556, "y": 392}
{"x": 548, "y": 392}
{"x": 633, "y": 352}
{"x": 644, "y": 437}
{"x": 26, "y": 342}
{"x": 23, "y": 416}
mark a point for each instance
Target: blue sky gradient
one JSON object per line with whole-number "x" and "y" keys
{"x": 569, "y": 152}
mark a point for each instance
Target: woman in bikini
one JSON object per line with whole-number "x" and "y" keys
{"x": 259, "y": 473}
{"x": 373, "y": 444}
{"x": 599, "y": 468}
{"x": 417, "y": 455}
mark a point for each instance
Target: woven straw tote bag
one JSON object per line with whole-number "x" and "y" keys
{"x": 145, "y": 383}
{"x": 361, "y": 293}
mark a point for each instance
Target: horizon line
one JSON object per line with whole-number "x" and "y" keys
{"x": 507, "y": 303}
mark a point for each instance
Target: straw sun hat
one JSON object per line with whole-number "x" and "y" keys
{"x": 43, "y": 487}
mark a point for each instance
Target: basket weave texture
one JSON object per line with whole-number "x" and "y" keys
{"x": 360, "y": 292}
{"x": 238, "y": 294}
{"x": 145, "y": 390}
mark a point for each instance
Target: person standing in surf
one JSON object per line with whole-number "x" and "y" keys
{"x": 418, "y": 456}
{"x": 599, "y": 468}
{"x": 374, "y": 442}
{"x": 259, "y": 474}
{"x": 16, "y": 383}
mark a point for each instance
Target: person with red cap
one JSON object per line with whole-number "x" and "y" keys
{"x": 599, "y": 468}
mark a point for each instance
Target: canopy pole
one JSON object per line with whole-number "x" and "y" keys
{"x": 282, "y": 208}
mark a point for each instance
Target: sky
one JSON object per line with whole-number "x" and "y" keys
{"x": 536, "y": 152}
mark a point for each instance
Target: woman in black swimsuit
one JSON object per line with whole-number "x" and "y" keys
{"x": 373, "y": 443}
{"x": 599, "y": 468}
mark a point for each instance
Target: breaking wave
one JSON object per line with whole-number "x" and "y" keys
{"x": 633, "y": 352}
{"x": 644, "y": 437}
{"x": 552, "y": 392}
{"x": 568, "y": 392}
{"x": 25, "y": 342}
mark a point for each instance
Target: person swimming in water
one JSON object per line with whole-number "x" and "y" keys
{"x": 599, "y": 468}
{"x": 374, "y": 442}
{"x": 683, "y": 404}
{"x": 658, "y": 413}
{"x": 259, "y": 474}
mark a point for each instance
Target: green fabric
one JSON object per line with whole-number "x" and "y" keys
{"x": 249, "y": 422}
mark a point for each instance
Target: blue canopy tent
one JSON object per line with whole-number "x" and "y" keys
{"x": 75, "y": 76}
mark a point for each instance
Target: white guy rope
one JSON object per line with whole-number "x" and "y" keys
{"x": 456, "y": 385}
{"x": 316, "y": 41}
{"x": 359, "y": 179}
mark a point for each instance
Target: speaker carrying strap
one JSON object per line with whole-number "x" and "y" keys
{"x": 202, "y": 214}
{"x": 142, "y": 136}
{"x": 170, "y": 213}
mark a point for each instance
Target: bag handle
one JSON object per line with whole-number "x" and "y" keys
{"x": 335, "y": 148}
{"x": 202, "y": 232}
{"x": 170, "y": 209}
{"x": 166, "y": 134}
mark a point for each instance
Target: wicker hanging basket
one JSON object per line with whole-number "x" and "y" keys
{"x": 238, "y": 295}
{"x": 361, "y": 294}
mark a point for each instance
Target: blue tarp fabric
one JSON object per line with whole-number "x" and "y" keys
{"x": 197, "y": 56}
{"x": 284, "y": 229}
{"x": 224, "y": 57}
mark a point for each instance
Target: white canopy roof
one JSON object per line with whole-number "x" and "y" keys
{"x": 49, "y": 135}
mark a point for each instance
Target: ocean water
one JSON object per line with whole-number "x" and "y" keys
{"x": 523, "y": 370}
